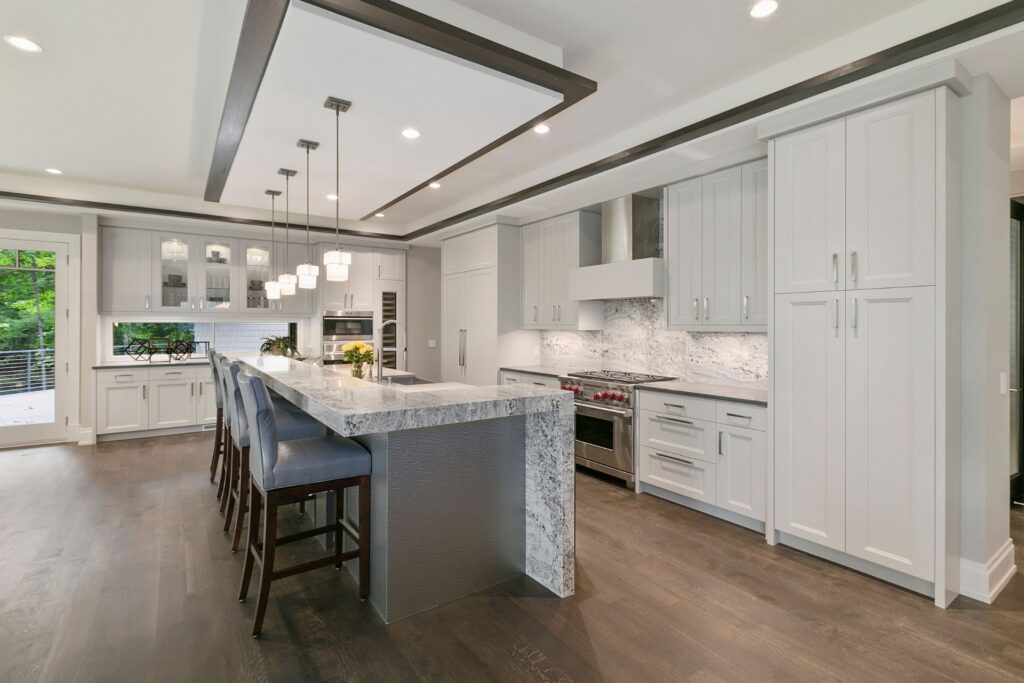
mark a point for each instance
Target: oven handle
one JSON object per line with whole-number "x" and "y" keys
{"x": 582, "y": 408}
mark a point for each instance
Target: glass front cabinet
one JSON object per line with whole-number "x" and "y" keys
{"x": 257, "y": 272}
{"x": 173, "y": 287}
{"x": 195, "y": 274}
{"x": 215, "y": 267}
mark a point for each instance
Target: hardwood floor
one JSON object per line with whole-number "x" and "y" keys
{"x": 113, "y": 567}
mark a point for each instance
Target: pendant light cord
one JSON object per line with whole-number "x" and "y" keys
{"x": 337, "y": 179}
{"x": 307, "y": 205}
{"x": 287, "y": 211}
{"x": 273, "y": 260}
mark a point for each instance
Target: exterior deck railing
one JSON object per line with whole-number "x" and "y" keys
{"x": 26, "y": 370}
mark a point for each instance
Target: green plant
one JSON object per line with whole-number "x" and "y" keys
{"x": 278, "y": 346}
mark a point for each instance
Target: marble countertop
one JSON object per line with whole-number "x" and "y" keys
{"x": 728, "y": 392}
{"x": 352, "y": 406}
{"x": 121, "y": 365}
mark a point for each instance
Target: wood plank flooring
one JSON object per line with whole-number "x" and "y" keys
{"x": 113, "y": 567}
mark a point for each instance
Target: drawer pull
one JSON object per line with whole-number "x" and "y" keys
{"x": 673, "y": 457}
{"x": 742, "y": 417}
{"x": 674, "y": 419}
{"x": 117, "y": 378}
{"x": 675, "y": 405}
{"x": 540, "y": 384}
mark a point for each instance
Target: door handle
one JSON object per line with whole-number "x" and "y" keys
{"x": 853, "y": 266}
{"x": 853, "y": 313}
{"x": 200, "y": 388}
{"x": 192, "y": 388}
{"x": 707, "y": 308}
{"x": 835, "y": 314}
{"x": 835, "y": 268}
{"x": 147, "y": 302}
{"x": 720, "y": 441}
{"x": 696, "y": 309}
{"x": 746, "y": 307}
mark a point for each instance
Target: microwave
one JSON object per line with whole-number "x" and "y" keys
{"x": 342, "y": 326}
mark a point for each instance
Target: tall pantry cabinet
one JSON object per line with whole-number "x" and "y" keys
{"x": 858, "y": 339}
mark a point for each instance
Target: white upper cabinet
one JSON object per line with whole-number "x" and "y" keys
{"x": 720, "y": 248}
{"x": 256, "y": 271}
{"x": 683, "y": 216}
{"x": 471, "y": 251}
{"x": 368, "y": 266}
{"x": 890, "y": 195}
{"x": 754, "y": 241}
{"x": 125, "y": 268}
{"x": 890, "y": 428}
{"x": 551, "y": 250}
{"x": 810, "y": 461}
{"x": 217, "y": 288}
{"x": 810, "y": 209}
{"x": 174, "y": 273}
{"x": 389, "y": 264}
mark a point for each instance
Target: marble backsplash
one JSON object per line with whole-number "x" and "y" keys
{"x": 635, "y": 338}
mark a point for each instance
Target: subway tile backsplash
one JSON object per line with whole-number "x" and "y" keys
{"x": 635, "y": 338}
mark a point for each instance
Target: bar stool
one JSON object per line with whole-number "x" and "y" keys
{"x": 284, "y": 471}
{"x": 292, "y": 424}
{"x": 218, "y": 437}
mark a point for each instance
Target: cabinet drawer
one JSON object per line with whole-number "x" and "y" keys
{"x": 677, "y": 405}
{"x": 678, "y": 435}
{"x": 685, "y": 476}
{"x": 742, "y": 415}
{"x": 125, "y": 376}
{"x": 528, "y": 378}
{"x": 173, "y": 373}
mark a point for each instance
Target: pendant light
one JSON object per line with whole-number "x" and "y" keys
{"x": 307, "y": 272}
{"x": 286, "y": 279}
{"x": 272, "y": 286}
{"x": 336, "y": 261}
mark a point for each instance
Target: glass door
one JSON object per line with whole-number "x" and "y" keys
{"x": 173, "y": 274}
{"x": 257, "y": 272}
{"x": 215, "y": 282}
{"x": 33, "y": 374}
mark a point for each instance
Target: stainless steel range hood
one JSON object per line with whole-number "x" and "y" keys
{"x": 631, "y": 264}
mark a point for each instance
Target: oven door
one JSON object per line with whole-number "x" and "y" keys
{"x": 346, "y": 329}
{"x": 605, "y": 436}
{"x": 332, "y": 354}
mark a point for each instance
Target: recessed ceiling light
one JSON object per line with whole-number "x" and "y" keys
{"x": 379, "y": 215}
{"x": 541, "y": 128}
{"x": 54, "y": 171}
{"x": 333, "y": 197}
{"x": 435, "y": 186}
{"x": 763, "y": 8}
{"x": 410, "y": 133}
{"x": 22, "y": 43}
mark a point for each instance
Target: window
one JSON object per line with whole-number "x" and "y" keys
{"x": 225, "y": 337}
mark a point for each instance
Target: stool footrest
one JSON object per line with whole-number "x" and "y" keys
{"x": 315, "y": 564}
{"x": 308, "y": 533}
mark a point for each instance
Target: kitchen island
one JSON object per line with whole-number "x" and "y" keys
{"x": 472, "y": 486}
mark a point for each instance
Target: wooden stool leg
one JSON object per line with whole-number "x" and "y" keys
{"x": 232, "y": 491}
{"x": 225, "y": 468}
{"x": 267, "y": 570}
{"x": 339, "y": 534}
{"x": 251, "y": 546}
{"x": 364, "y": 538}
{"x": 302, "y": 507}
{"x": 243, "y": 497}
{"x": 217, "y": 443}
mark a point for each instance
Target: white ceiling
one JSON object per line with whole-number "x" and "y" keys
{"x": 393, "y": 85}
{"x": 126, "y": 92}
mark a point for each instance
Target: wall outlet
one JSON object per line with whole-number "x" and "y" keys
{"x": 431, "y": 343}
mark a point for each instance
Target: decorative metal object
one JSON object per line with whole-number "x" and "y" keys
{"x": 137, "y": 349}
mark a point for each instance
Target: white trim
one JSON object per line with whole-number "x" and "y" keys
{"x": 948, "y": 73}
{"x": 700, "y": 506}
{"x": 146, "y": 433}
{"x": 984, "y": 582}
{"x": 86, "y": 436}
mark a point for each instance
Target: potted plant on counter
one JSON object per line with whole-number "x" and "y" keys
{"x": 357, "y": 353}
{"x": 278, "y": 346}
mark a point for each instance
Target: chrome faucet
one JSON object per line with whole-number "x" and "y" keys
{"x": 381, "y": 349}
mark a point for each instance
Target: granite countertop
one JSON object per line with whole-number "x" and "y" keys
{"x": 352, "y": 406}
{"x": 121, "y": 365}
{"x": 756, "y": 395}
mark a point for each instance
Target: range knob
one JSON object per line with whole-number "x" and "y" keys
{"x": 597, "y": 396}
{"x": 606, "y": 394}
{"x": 566, "y": 387}
{"x": 621, "y": 397}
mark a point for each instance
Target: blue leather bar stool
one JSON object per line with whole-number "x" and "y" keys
{"x": 292, "y": 424}
{"x": 283, "y": 471}
{"x": 218, "y": 437}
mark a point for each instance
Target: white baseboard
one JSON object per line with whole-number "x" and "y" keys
{"x": 700, "y": 506}
{"x": 86, "y": 436}
{"x": 985, "y": 581}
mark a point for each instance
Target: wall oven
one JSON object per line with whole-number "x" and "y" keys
{"x": 340, "y": 328}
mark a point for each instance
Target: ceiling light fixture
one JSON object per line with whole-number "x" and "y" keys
{"x": 379, "y": 215}
{"x": 333, "y": 197}
{"x": 410, "y": 133}
{"x": 24, "y": 44}
{"x": 541, "y": 128}
{"x": 285, "y": 279}
{"x": 336, "y": 261}
{"x": 763, "y": 8}
{"x": 54, "y": 171}
{"x": 435, "y": 186}
{"x": 272, "y": 286}
{"x": 307, "y": 272}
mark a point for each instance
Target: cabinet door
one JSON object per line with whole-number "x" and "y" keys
{"x": 810, "y": 209}
{"x": 532, "y": 276}
{"x": 683, "y": 252}
{"x": 471, "y": 251}
{"x": 890, "y": 195}
{"x": 122, "y": 408}
{"x": 754, "y": 241}
{"x": 389, "y": 264}
{"x": 810, "y": 476}
{"x": 172, "y": 403}
{"x": 173, "y": 273}
{"x": 740, "y": 471}
{"x": 721, "y": 228}
{"x": 481, "y": 325}
{"x": 254, "y": 271}
{"x": 125, "y": 268}
{"x": 549, "y": 260}
{"x": 361, "y": 275}
{"x": 217, "y": 274}
{"x": 206, "y": 401}
{"x": 890, "y": 428}
{"x": 453, "y": 312}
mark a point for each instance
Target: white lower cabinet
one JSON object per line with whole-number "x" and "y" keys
{"x": 511, "y": 377}
{"x": 140, "y": 399}
{"x": 703, "y": 456}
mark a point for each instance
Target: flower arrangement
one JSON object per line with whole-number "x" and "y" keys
{"x": 357, "y": 353}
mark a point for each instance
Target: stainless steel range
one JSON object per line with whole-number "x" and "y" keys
{"x": 604, "y": 418}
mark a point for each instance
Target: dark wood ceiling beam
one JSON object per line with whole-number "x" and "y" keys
{"x": 260, "y": 28}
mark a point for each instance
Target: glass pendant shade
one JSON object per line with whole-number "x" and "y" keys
{"x": 336, "y": 272}
{"x": 307, "y": 282}
{"x": 273, "y": 288}
{"x": 307, "y": 269}
{"x": 287, "y": 279}
{"x": 337, "y": 257}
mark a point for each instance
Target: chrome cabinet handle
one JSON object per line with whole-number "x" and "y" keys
{"x": 746, "y": 307}
{"x": 742, "y": 417}
{"x": 835, "y": 268}
{"x": 674, "y": 405}
{"x": 559, "y": 312}
{"x": 192, "y": 388}
{"x": 835, "y": 314}
{"x": 853, "y": 266}
{"x": 175, "y": 372}
{"x": 673, "y": 457}
{"x": 147, "y": 302}
{"x": 553, "y": 316}
{"x": 674, "y": 419}
{"x": 696, "y": 309}
{"x": 853, "y": 313}
{"x": 200, "y": 388}
{"x": 540, "y": 384}
{"x": 144, "y": 392}
{"x": 707, "y": 308}
{"x": 534, "y": 314}
{"x": 720, "y": 442}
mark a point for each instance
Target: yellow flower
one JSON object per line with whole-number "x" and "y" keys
{"x": 349, "y": 347}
